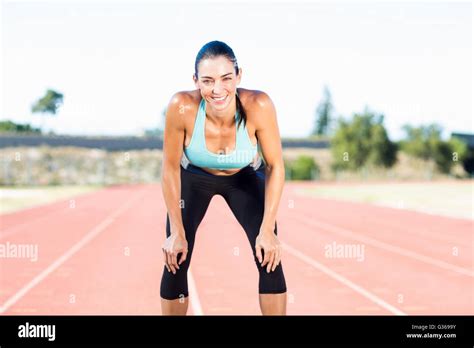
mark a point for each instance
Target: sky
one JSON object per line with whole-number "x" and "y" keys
{"x": 119, "y": 62}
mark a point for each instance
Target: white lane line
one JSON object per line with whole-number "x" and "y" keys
{"x": 74, "y": 249}
{"x": 367, "y": 294}
{"x": 382, "y": 245}
{"x": 193, "y": 294}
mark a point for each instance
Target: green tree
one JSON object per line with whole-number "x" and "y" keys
{"x": 9, "y": 126}
{"x": 425, "y": 142}
{"x": 384, "y": 151}
{"x": 323, "y": 114}
{"x": 303, "y": 168}
{"x": 362, "y": 141}
{"x": 48, "y": 104}
{"x": 459, "y": 148}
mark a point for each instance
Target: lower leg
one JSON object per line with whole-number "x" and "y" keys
{"x": 273, "y": 304}
{"x": 174, "y": 307}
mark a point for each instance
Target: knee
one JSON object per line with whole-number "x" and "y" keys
{"x": 174, "y": 286}
{"x": 271, "y": 282}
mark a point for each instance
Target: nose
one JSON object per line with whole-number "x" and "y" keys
{"x": 217, "y": 89}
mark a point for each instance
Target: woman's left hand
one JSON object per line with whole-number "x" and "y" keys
{"x": 268, "y": 241}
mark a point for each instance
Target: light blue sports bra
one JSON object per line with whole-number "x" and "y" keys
{"x": 198, "y": 154}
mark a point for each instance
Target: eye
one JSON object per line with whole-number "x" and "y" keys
{"x": 228, "y": 78}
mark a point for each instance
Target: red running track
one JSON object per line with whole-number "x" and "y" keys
{"x": 100, "y": 253}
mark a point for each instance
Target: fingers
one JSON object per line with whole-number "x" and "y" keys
{"x": 258, "y": 251}
{"x": 183, "y": 257}
{"x": 166, "y": 260}
{"x": 271, "y": 261}
{"x": 174, "y": 260}
{"x": 171, "y": 248}
{"x": 170, "y": 262}
{"x": 266, "y": 258}
{"x": 272, "y": 258}
{"x": 277, "y": 258}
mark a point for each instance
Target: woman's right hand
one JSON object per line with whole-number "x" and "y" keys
{"x": 173, "y": 245}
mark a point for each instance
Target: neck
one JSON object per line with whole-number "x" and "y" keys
{"x": 224, "y": 117}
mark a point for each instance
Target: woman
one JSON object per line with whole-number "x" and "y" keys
{"x": 210, "y": 147}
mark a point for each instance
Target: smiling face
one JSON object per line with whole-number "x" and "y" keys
{"x": 218, "y": 82}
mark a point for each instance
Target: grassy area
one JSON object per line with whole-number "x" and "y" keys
{"x": 407, "y": 168}
{"x": 18, "y": 198}
{"x": 455, "y": 199}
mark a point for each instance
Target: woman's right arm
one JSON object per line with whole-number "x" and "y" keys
{"x": 173, "y": 140}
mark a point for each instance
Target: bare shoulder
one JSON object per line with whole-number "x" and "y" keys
{"x": 185, "y": 100}
{"x": 183, "y": 105}
{"x": 258, "y": 104}
{"x": 253, "y": 98}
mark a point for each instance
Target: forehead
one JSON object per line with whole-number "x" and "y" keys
{"x": 215, "y": 67}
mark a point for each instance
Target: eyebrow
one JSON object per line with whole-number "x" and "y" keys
{"x": 208, "y": 77}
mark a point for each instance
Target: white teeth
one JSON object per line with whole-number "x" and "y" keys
{"x": 222, "y": 98}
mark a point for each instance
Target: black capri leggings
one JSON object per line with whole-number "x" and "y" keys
{"x": 244, "y": 192}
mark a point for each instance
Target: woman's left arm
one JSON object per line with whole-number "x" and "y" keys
{"x": 270, "y": 143}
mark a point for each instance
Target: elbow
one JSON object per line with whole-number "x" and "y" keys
{"x": 276, "y": 166}
{"x": 276, "y": 169}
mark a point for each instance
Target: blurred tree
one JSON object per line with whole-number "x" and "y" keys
{"x": 323, "y": 114}
{"x": 303, "y": 168}
{"x": 425, "y": 142}
{"x": 362, "y": 141}
{"x": 384, "y": 151}
{"x": 48, "y": 104}
{"x": 9, "y": 126}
